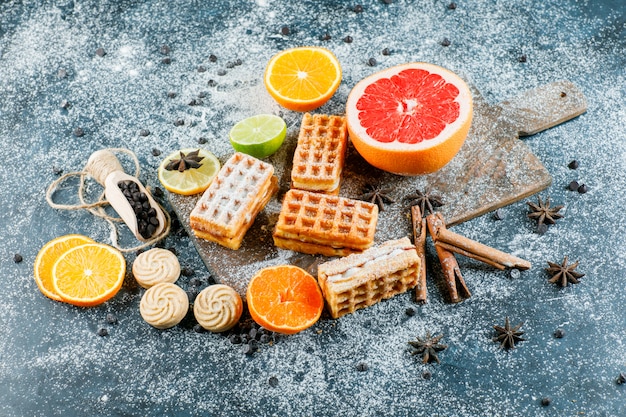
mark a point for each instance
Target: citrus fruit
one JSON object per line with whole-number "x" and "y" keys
{"x": 410, "y": 119}
{"x": 284, "y": 299}
{"x": 89, "y": 274}
{"x": 259, "y": 135}
{"x": 188, "y": 171}
{"x": 48, "y": 255}
{"x": 304, "y": 78}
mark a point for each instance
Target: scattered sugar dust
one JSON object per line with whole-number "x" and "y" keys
{"x": 52, "y": 360}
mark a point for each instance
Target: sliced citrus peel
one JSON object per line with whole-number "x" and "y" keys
{"x": 188, "y": 171}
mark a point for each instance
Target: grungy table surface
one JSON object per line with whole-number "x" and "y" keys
{"x": 53, "y": 362}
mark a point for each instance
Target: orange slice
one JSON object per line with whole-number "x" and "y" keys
{"x": 284, "y": 299}
{"x": 410, "y": 119}
{"x": 302, "y": 79}
{"x": 48, "y": 255}
{"x": 89, "y": 274}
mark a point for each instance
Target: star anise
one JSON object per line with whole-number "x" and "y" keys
{"x": 186, "y": 161}
{"x": 543, "y": 213}
{"x": 508, "y": 336}
{"x": 426, "y": 201}
{"x": 564, "y": 274}
{"x": 428, "y": 347}
{"x": 377, "y": 195}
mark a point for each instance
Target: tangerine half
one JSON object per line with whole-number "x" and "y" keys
{"x": 284, "y": 299}
{"x": 410, "y": 119}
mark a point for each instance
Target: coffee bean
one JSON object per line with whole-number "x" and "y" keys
{"x": 545, "y": 401}
{"x": 573, "y": 186}
{"x": 158, "y": 192}
{"x": 156, "y": 152}
{"x": 573, "y": 164}
{"x": 164, "y": 50}
{"x": 348, "y": 39}
{"x": 372, "y": 62}
{"x": 187, "y": 272}
{"x": 409, "y": 312}
{"x": 202, "y": 140}
{"x": 559, "y": 333}
{"x": 582, "y": 189}
{"x": 362, "y": 367}
{"x": 100, "y": 52}
{"x": 522, "y": 58}
{"x": 78, "y": 132}
{"x": 621, "y": 378}
{"x": 386, "y": 52}
{"x": 273, "y": 381}
{"x": 102, "y": 331}
{"x": 111, "y": 318}
{"x": 17, "y": 258}
{"x": 446, "y": 42}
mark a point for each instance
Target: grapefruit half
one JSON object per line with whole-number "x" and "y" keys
{"x": 410, "y": 119}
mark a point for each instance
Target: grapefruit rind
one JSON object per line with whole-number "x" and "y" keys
{"x": 424, "y": 157}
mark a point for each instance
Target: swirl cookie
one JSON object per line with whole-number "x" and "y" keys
{"x": 164, "y": 305}
{"x": 155, "y": 266}
{"x": 218, "y": 308}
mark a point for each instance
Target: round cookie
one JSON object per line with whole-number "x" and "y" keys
{"x": 164, "y": 305}
{"x": 218, "y": 308}
{"x": 154, "y": 266}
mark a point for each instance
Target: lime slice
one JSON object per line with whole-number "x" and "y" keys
{"x": 185, "y": 178}
{"x": 258, "y": 136}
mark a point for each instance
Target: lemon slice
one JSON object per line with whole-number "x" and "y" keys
{"x": 188, "y": 180}
{"x": 259, "y": 136}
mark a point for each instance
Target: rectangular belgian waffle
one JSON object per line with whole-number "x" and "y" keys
{"x": 325, "y": 224}
{"x": 319, "y": 156}
{"x": 360, "y": 280}
{"x": 226, "y": 210}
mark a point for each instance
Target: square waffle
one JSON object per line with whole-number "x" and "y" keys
{"x": 361, "y": 280}
{"x": 319, "y": 156}
{"x": 325, "y": 224}
{"x": 226, "y": 210}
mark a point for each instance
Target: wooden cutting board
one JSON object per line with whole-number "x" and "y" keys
{"x": 494, "y": 168}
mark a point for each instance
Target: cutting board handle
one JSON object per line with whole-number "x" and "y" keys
{"x": 543, "y": 107}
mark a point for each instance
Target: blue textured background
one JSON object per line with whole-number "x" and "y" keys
{"x": 52, "y": 363}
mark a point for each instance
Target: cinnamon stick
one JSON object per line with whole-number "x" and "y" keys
{"x": 419, "y": 240}
{"x": 451, "y": 271}
{"x": 473, "y": 249}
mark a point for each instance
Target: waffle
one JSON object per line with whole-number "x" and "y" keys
{"x": 325, "y": 224}
{"x": 319, "y": 156}
{"x": 360, "y": 280}
{"x": 228, "y": 207}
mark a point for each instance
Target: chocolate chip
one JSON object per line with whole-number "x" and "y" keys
{"x": 265, "y": 338}
{"x": 348, "y": 39}
{"x": 179, "y": 122}
{"x": 246, "y": 349}
{"x": 362, "y": 367}
{"x": 409, "y": 312}
{"x": 202, "y": 94}
{"x": 201, "y": 68}
{"x": 621, "y": 378}
{"x": 57, "y": 170}
{"x": 545, "y": 401}
{"x": 252, "y": 334}
{"x": 234, "y": 339}
{"x": 111, "y": 318}
{"x": 194, "y": 102}
{"x": 573, "y": 186}
{"x": 158, "y": 192}
{"x": 515, "y": 273}
{"x": 387, "y": 1}
{"x": 582, "y": 189}
{"x": 446, "y": 42}
{"x": 211, "y": 83}
{"x": 325, "y": 37}
{"x": 198, "y": 328}
{"x": 155, "y": 151}
{"x": 17, "y": 258}
{"x": 62, "y": 73}
{"x": 221, "y": 72}
{"x": 273, "y": 381}
{"x": 563, "y": 94}
{"x": 573, "y": 164}
{"x": 100, "y": 52}
{"x": 499, "y": 214}
{"x": 358, "y": 9}
{"x": 171, "y": 94}
{"x": 164, "y": 50}
{"x": 559, "y": 333}
{"x": 65, "y": 104}
{"x": 522, "y": 58}
{"x": 386, "y": 52}
{"x": 452, "y": 6}
{"x": 212, "y": 58}
{"x": 195, "y": 282}
{"x": 144, "y": 133}
{"x": 202, "y": 140}
{"x": 187, "y": 272}
{"x": 372, "y": 62}
{"x": 284, "y": 30}
{"x": 78, "y": 132}
{"x": 166, "y": 61}
{"x": 102, "y": 331}
{"x": 427, "y": 375}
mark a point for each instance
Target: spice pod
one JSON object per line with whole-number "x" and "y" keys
{"x": 135, "y": 205}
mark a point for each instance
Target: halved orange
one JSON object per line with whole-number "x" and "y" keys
{"x": 410, "y": 119}
{"x": 89, "y": 274}
{"x": 304, "y": 78}
{"x": 284, "y": 299}
{"x": 48, "y": 255}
